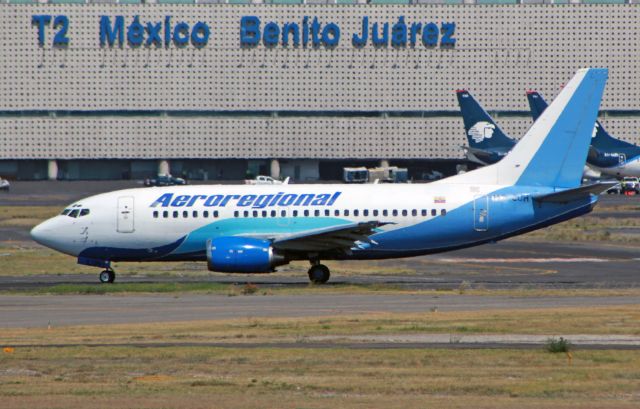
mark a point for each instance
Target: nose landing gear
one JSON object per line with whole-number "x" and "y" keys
{"x": 319, "y": 273}
{"x": 107, "y": 276}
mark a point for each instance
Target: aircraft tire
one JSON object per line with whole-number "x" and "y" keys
{"x": 319, "y": 274}
{"x": 107, "y": 276}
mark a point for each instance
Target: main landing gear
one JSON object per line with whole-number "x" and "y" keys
{"x": 107, "y": 276}
{"x": 318, "y": 273}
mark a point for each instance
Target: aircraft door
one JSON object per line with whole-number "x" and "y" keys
{"x": 481, "y": 213}
{"x": 125, "y": 214}
{"x": 622, "y": 158}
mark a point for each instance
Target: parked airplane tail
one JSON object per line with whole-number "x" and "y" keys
{"x": 554, "y": 150}
{"x": 600, "y": 138}
{"x": 482, "y": 131}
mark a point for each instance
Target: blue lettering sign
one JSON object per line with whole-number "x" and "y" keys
{"x": 253, "y": 201}
{"x": 180, "y": 34}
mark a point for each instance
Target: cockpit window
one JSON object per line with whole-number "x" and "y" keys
{"x": 84, "y": 212}
{"x": 65, "y": 212}
{"x": 74, "y": 213}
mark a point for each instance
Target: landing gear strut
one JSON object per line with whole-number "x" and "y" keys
{"x": 319, "y": 273}
{"x": 107, "y": 276}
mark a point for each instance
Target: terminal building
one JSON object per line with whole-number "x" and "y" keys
{"x": 218, "y": 90}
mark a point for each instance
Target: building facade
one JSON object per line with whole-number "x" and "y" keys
{"x": 210, "y": 91}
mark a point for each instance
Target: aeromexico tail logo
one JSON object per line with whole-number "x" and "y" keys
{"x": 254, "y": 201}
{"x": 481, "y": 130}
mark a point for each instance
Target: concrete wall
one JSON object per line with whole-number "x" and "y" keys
{"x": 501, "y": 50}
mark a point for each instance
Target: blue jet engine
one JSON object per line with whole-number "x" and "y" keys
{"x": 242, "y": 255}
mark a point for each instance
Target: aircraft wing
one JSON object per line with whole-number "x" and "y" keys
{"x": 342, "y": 237}
{"x": 568, "y": 195}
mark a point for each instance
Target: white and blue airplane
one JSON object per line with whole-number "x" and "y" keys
{"x": 254, "y": 229}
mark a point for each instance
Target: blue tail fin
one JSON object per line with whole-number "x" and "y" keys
{"x": 554, "y": 150}
{"x": 559, "y": 139}
{"x": 600, "y": 138}
{"x": 482, "y": 131}
{"x": 537, "y": 104}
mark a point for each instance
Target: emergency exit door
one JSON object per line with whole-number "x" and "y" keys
{"x": 125, "y": 214}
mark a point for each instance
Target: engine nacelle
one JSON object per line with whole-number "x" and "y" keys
{"x": 242, "y": 255}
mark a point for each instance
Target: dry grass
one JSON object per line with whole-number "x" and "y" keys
{"x": 619, "y": 320}
{"x": 26, "y": 216}
{"x": 203, "y": 377}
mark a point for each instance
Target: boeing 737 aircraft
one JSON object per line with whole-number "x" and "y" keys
{"x": 487, "y": 142}
{"x": 607, "y": 155}
{"x": 254, "y": 229}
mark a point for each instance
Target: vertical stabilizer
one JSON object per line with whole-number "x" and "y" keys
{"x": 481, "y": 130}
{"x": 554, "y": 150}
{"x": 600, "y": 138}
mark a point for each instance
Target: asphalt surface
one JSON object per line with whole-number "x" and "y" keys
{"x": 505, "y": 265}
{"x": 41, "y": 311}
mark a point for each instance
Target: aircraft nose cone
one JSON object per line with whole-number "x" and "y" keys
{"x": 42, "y": 233}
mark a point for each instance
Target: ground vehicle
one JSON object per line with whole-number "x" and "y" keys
{"x": 165, "y": 180}
{"x": 264, "y": 180}
{"x": 355, "y": 175}
{"x": 616, "y": 189}
{"x": 4, "y": 184}
{"x": 630, "y": 184}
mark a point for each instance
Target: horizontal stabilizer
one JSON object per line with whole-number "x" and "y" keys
{"x": 569, "y": 195}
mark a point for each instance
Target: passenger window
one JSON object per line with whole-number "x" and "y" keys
{"x": 236, "y": 214}
{"x": 395, "y": 212}
{"x": 205, "y": 214}
{"x": 195, "y": 213}
{"x": 327, "y": 212}
{"x": 346, "y": 212}
{"x": 356, "y": 212}
{"x": 155, "y": 214}
{"x": 414, "y": 212}
{"x": 316, "y": 213}
{"x": 74, "y": 213}
{"x": 404, "y": 212}
{"x": 306, "y": 213}
{"x": 264, "y": 213}
{"x": 365, "y": 212}
{"x": 246, "y": 213}
{"x": 255, "y": 213}
{"x": 273, "y": 213}
{"x": 85, "y": 212}
{"x": 443, "y": 212}
{"x": 165, "y": 214}
{"x": 336, "y": 212}
{"x": 215, "y": 213}
{"x": 385, "y": 212}
{"x": 375, "y": 212}
{"x": 424, "y": 212}
{"x": 65, "y": 212}
{"x": 283, "y": 213}
{"x": 185, "y": 214}
{"x": 295, "y": 213}
{"x": 175, "y": 214}
{"x": 433, "y": 212}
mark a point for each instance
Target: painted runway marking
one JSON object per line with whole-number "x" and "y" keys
{"x": 523, "y": 260}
